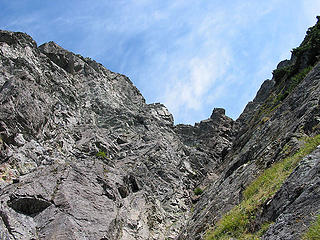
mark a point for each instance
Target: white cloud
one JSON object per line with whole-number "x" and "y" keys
{"x": 207, "y": 80}
{"x": 201, "y": 78}
{"x": 191, "y": 55}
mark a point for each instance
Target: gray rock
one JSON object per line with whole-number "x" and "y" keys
{"x": 82, "y": 156}
{"x": 85, "y": 156}
{"x": 297, "y": 202}
{"x": 267, "y": 131}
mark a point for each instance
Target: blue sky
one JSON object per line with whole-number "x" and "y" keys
{"x": 191, "y": 55}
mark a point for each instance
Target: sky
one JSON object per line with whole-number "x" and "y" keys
{"x": 191, "y": 55}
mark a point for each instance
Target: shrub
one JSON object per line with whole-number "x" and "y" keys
{"x": 293, "y": 82}
{"x": 311, "y": 43}
{"x": 279, "y": 73}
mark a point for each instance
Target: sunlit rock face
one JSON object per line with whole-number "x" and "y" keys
{"x": 84, "y": 157}
{"x": 285, "y": 111}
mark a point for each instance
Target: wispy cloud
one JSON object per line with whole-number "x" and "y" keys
{"x": 191, "y": 55}
{"x": 199, "y": 79}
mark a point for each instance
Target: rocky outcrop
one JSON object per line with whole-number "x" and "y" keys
{"x": 213, "y": 139}
{"x": 297, "y": 202}
{"x": 82, "y": 156}
{"x": 284, "y": 111}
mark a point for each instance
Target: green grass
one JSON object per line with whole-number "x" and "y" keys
{"x": 198, "y": 191}
{"x": 313, "y": 233}
{"x": 275, "y": 99}
{"x": 296, "y": 79}
{"x": 101, "y": 154}
{"x": 238, "y": 222}
{"x": 292, "y": 84}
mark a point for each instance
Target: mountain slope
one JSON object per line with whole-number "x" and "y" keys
{"x": 84, "y": 157}
{"x": 272, "y": 127}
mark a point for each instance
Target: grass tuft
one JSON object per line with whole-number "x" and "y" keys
{"x": 238, "y": 222}
{"x": 313, "y": 233}
{"x": 198, "y": 191}
{"x": 101, "y": 154}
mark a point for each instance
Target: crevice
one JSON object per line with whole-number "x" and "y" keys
{"x": 30, "y": 206}
{"x": 236, "y": 164}
{"x": 107, "y": 190}
{"x": 133, "y": 184}
{"x": 5, "y": 221}
{"x": 123, "y": 191}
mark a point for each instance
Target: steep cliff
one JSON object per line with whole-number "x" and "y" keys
{"x": 274, "y": 126}
{"x": 84, "y": 157}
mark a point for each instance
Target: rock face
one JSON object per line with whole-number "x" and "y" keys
{"x": 300, "y": 194}
{"x": 285, "y": 109}
{"x": 84, "y": 157}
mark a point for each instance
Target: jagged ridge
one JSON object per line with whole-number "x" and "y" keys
{"x": 273, "y": 126}
{"x": 84, "y": 157}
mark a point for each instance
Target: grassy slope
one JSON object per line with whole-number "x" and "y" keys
{"x": 238, "y": 222}
{"x": 313, "y": 232}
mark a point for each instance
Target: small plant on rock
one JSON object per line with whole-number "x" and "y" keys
{"x": 313, "y": 232}
{"x": 198, "y": 191}
{"x": 101, "y": 154}
{"x": 238, "y": 222}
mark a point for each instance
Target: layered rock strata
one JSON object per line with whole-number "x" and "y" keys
{"x": 82, "y": 156}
